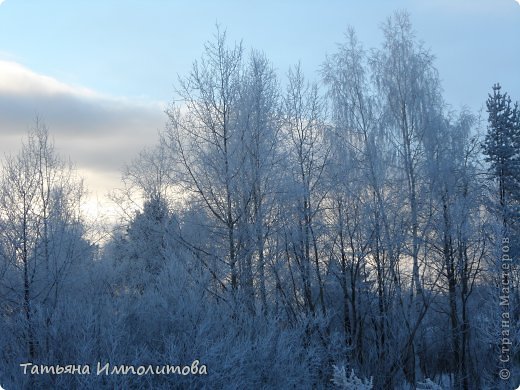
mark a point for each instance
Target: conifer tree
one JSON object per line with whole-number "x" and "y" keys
{"x": 502, "y": 150}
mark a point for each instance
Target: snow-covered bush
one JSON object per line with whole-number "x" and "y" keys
{"x": 350, "y": 382}
{"x": 428, "y": 384}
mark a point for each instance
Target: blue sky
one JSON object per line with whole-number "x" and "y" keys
{"x": 136, "y": 48}
{"x": 114, "y": 63}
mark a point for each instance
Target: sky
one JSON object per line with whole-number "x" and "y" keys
{"x": 100, "y": 73}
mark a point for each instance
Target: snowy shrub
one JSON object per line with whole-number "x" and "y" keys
{"x": 428, "y": 384}
{"x": 350, "y": 382}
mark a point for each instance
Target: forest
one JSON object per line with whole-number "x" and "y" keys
{"x": 356, "y": 232}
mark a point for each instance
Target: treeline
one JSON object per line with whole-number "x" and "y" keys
{"x": 352, "y": 233}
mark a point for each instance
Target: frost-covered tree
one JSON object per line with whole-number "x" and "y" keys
{"x": 456, "y": 235}
{"x": 260, "y": 173}
{"x": 358, "y": 177}
{"x": 307, "y": 155}
{"x": 409, "y": 88}
{"x": 502, "y": 150}
{"x": 204, "y": 138}
{"x": 42, "y": 237}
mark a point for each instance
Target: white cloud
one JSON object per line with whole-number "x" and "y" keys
{"x": 98, "y": 133}
{"x": 17, "y": 79}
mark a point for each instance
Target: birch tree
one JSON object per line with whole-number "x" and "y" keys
{"x": 409, "y": 87}
{"x": 260, "y": 118}
{"x": 204, "y": 137}
{"x": 42, "y": 232}
{"x": 307, "y": 156}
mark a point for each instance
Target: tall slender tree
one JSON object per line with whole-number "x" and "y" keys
{"x": 502, "y": 150}
{"x": 42, "y": 231}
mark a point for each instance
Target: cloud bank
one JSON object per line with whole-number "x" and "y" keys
{"x": 98, "y": 133}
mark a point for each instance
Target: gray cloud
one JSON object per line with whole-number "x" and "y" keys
{"x": 98, "y": 133}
